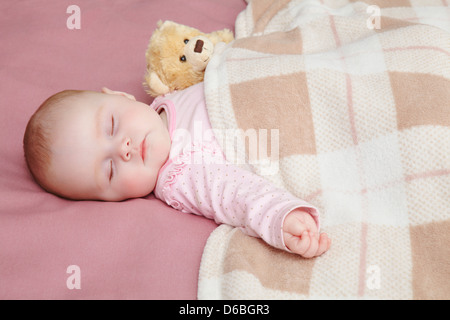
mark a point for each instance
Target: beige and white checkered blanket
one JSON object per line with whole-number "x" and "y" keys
{"x": 362, "y": 105}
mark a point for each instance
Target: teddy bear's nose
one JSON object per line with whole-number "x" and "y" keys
{"x": 199, "y": 46}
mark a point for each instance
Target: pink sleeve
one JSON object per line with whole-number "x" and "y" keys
{"x": 234, "y": 196}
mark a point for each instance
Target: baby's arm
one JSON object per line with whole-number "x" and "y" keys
{"x": 301, "y": 235}
{"x": 237, "y": 197}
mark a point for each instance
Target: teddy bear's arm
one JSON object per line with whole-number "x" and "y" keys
{"x": 155, "y": 86}
{"x": 224, "y": 35}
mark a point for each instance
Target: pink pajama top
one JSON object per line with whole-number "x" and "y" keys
{"x": 198, "y": 179}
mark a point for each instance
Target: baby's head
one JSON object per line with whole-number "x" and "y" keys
{"x": 86, "y": 145}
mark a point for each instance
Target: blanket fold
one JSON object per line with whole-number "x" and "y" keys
{"x": 349, "y": 105}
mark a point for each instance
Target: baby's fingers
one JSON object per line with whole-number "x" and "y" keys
{"x": 324, "y": 244}
{"x": 313, "y": 246}
{"x": 299, "y": 245}
{"x": 308, "y": 245}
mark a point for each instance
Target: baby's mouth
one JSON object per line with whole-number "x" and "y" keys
{"x": 143, "y": 149}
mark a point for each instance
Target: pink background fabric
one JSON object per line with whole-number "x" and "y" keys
{"x": 136, "y": 249}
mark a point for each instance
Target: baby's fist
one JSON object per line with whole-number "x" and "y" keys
{"x": 301, "y": 235}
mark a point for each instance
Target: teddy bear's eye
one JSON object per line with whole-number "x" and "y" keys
{"x": 186, "y": 41}
{"x": 183, "y": 58}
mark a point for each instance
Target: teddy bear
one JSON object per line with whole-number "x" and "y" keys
{"x": 177, "y": 56}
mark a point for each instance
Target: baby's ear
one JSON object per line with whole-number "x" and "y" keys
{"x": 120, "y": 93}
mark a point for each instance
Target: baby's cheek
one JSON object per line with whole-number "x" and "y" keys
{"x": 136, "y": 186}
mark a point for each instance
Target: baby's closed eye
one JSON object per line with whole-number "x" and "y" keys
{"x": 112, "y": 126}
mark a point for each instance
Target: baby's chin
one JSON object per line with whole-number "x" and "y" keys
{"x": 124, "y": 197}
{"x": 131, "y": 194}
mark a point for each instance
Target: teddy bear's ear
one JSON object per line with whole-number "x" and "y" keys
{"x": 164, "y": 24}
{"x": 156, "y": 86}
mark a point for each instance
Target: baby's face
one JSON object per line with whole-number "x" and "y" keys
{"x": 108, "y": 147}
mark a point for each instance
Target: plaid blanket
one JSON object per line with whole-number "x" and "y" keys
{"x": 359, "y": 95}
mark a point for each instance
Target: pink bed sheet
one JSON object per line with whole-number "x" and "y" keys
{"x": 136, "y": 249}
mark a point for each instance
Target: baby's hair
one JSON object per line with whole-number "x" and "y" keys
{"x": 38, "y": 135}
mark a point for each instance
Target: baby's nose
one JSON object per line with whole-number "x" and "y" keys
{"x": 125, "y": 149}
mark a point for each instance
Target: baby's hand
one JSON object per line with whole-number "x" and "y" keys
{"x": 301, "y": 235}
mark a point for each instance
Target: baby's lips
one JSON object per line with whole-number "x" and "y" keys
{"x": 142, "y": 149}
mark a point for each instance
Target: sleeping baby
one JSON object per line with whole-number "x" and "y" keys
{"x": 85, "y": 145}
